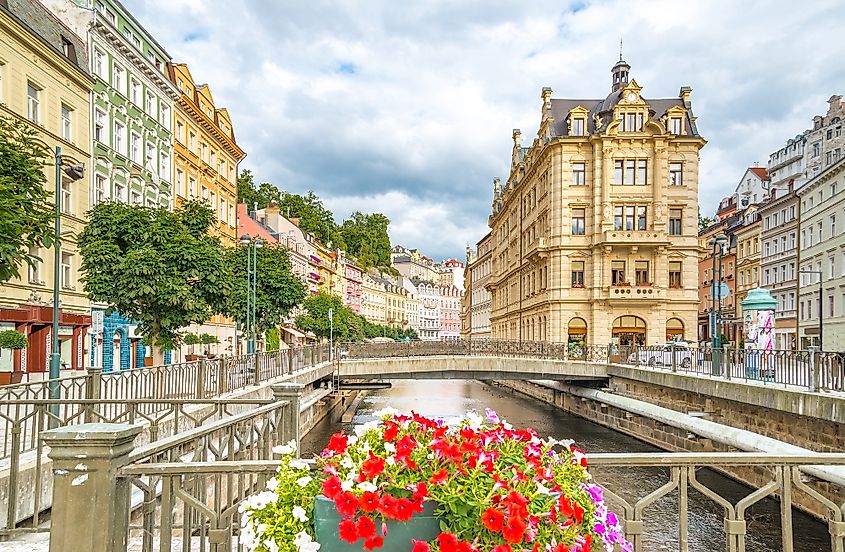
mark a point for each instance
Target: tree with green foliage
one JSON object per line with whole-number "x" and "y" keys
{"x": 161, "y": 268}
{"x": 704, "y": 222}
{"x": 316, "y": 318}
{"x": 312, "y": 214}
{"x": 278, "y": 289}
{"x": 13, "y": 339}
{"x": 365, "y": 237}
{"x": 26, "y": 212}
{"x": 253, "y": 196}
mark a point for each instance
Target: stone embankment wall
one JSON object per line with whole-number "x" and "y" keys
{"x": 668, "y": 437}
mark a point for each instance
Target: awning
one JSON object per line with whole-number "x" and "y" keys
{"x": 316, "y": 259}
{"x": 295, "y": 333}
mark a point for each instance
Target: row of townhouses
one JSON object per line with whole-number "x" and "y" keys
{"x": 784, "y": 228}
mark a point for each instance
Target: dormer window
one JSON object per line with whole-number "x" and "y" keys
{"x": 631, "y": 122}
{"x": 578, "y": 127}
{"x": 675, "y": 126}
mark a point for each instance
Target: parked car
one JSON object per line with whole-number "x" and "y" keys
{"x": 661, "y": 355}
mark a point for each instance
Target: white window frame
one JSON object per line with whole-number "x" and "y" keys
{"x": 66, "y": 115}
{"x": 135, "y": 150}
{"x": 117, "y": 78}
{"x": 101, "y": 188}
{"x": 67, "y": 270}
{"x": 101, "y": 126}
{"x": 33, "y": 102}
{"x": 101, "y": 63}
{"x": 119, "y": 138}
{"x": 67, "y": 196}
{"x": 135, "y": 91}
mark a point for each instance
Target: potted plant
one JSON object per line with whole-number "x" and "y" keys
{"x": 407, "y": 482}
{"x": 10, "y": 340}
{"x": 208, "y": 339}
{"x": 191, "y": 340}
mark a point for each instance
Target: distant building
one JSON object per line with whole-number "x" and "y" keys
{"x": 753, "y": 187}
{"x": 450, "y": 312}
{"x": 429, "y": 297}
{"x": 477, "y": 295}
{"x": 825, "y": 141}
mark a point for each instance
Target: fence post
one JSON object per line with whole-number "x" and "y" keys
{"x": 92, "y": 390}
{"x": 291, "y": 392}
{"x": 221, "y": 375}
{"x": 200, "y": 392}
{"x": 256, "y": 368}
{"x": 674, "y": 358}
{"x": 291, "y": 354}
{"x": 814, "y": 370}
{"x": 90, "y": 503}
{"x": 727, "y": 360}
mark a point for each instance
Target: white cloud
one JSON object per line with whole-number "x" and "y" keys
{"x": 379, "y": 104}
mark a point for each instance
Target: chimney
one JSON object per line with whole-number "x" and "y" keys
{"x": 546, "y": 94}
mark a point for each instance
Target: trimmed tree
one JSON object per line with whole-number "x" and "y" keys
{"x": 346, "y": 325}
{"x": 160, "y": 268}
{"x": 26, "y": 212}
{"x": 278, "y": 289}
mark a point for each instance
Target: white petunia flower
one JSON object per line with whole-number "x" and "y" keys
{"x": 271, "y": 546}
{"x": 299, "y": 514}
{"x": 367, "y": 486}
{"x": 386, "y": 411}
{"x": 299, "y": 464}
{"x": 304, "y": 481}
{"x": 346, "y": 462}
{"x": 541, "y": 489}
{"x": 347, "y": 485}
{"x": 352, "y": 440}
{"x": 454, "y": 422}
{"x": 390, "y": 447}
{"x": 284, "y": 449}
{"x": 390, "y": 461}
{"x": 272, "y": 484}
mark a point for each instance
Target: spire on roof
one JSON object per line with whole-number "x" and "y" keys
{"x": 620, "y": 71}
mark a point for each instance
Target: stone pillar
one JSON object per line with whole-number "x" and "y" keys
{"x": 90, "y": 503}
{"x": 92, "y": 390}
{"x": 290, "y": 392}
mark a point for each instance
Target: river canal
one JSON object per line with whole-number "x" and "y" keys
{"x": 451, "y": 398}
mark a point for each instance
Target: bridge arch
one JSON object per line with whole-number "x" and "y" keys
{"x": 629, "y": 330}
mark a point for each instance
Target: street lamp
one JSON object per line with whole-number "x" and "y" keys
{"x": 73, "y": 173}
{"x": 717, "y": 242}
{"x": 251, "y": 288}
{"x": 821, "y": 318}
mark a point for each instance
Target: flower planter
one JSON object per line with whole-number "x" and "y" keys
{"x": 424, "y": 526}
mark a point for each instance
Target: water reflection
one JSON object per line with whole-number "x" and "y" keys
{"x": 706, "y": 519}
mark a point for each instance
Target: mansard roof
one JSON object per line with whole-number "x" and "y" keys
{"x": 43, "y": 24}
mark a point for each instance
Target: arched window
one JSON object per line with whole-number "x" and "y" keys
{"x": 629, "y": 330}
{"x": 674, "y": 329}
{"x": 577, "y": 337}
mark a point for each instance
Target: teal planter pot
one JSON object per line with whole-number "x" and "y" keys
{"x": 424, "y": 526}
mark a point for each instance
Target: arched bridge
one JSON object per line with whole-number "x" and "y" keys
{"x": 471, "y": 360}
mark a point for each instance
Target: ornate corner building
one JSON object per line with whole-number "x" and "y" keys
{"x": 595, "y": 231}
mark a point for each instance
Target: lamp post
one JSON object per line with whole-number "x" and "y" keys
{"x": 256, "y": 245}
{"x": 74, "y": 173}
{"x": 716, "y": 242}
{"x": 250, "y": 326}
{"x": 331, "y": 332}
{"x": 821, "y": 304}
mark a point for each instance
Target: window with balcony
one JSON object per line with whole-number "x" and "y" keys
{"x": 676, "y": 222}
{"x": 617, "y": 273}
{"x": 641, "y": 273}
{"x": 579, "y": 174}
{"x": 578, "y": 222}
{"x": 676, "y": 174}
{"x": 33, "y": 103}
{"x": 577, "y": 274}
{"x": 630, "y": 217}
{"x": 675, "y": 274}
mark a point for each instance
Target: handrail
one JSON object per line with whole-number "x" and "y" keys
{"x": 185, "y": 437}
{"x": 41, "y": 402}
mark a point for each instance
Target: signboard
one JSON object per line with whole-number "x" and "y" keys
{"x": 96, "y": 322}
{"x": 721, "y": 291}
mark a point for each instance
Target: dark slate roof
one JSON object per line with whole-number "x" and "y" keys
{"x": 42, "y": 23}
{"x": 604, "y": 108}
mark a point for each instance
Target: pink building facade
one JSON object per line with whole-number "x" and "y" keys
{"x": 450, "y": 312}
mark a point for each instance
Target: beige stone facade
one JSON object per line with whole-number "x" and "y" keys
{"x": 595, "y": 230}
{"x": 475, "y": 313}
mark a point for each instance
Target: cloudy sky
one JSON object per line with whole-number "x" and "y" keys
{"x": 407, "y": 107}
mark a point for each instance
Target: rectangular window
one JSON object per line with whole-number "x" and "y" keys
{"x": 135, "y": 148}
{"x": 119, "y": 138}
{"x": 164, "y": 166}
{"x": 632, "y": 122}
{"x": 212, "y": 202}
{"x": 67, "y": 198}
{"x": 2, "y": 74}
{"x": 136, "y": 198}
{"x": 203, "y": 151}
{"x": 117, "y": 79}
{"x": 34, "y": 271}
{"x": 67, "y": 276}
{"x": 675, "y": 222}
{"x": 832, "y": 225}
{"x": 180, "y": 131}
{"x": 642, "y": 219}
{"x": 578, "y": 222}
{"x": 135, "y": 91}
{"x": 99, "y": 63}
{"x": 192, "y": 188}
{"x": 629, "y": 217}
{"x": 100, "y": 125}
{"x": 675, "y": 274}
{"x": 222, "y": 210}
{"x": 617, "y": 272}
{"x": 100, "y": 188}
{"x": 630, "y": 172}
{"x": 676, "y": 174}
{"x": 831, "y": 268}
{"x": 149, "y": 158}
{"x": 165, "y": 117}
{"x": 641, "y": 272}
{"x": 618, "y": 213}
{"x": 151, "y": 105}
{"x": 579, "y": 174}
{"x": 32, "y": 102}
{"x": 119, "y": 192}
{"x": 204, "y": 193}
{"x": 577, "y": 274}
{"x": 830, "y": 305}
{"x": 642, "y": 170}
{"x": 67, "y": 126}
{"x": 578, "y": 127}
{"x": 675, "y": 125}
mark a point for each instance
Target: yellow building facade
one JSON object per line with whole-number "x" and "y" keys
{"x": 44, "y": 83}
{"x": 205, "y": 167}
{"x": 595, "y": 230}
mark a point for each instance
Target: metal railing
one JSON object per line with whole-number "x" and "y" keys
{"x": 204, "y": 496}
{"x": 479, "y": 347}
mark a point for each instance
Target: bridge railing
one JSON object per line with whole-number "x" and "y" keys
{"x": 199, "y": 499}
{"x": 481, "y": 347}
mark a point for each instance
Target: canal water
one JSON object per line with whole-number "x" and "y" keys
{"x": 450, "y": 398}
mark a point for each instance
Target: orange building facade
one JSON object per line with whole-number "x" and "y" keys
{"x": 205, "y": 167}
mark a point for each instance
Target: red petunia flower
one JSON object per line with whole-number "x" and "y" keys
{"x": 332, "y": 487}
{"x": 514, "y": 530}
{"x": 561, "y": 548}
{"x": 387, "y": 506}
{"x": 368, "y": 502}
{"x": 391, "y": 431}
{"x": 420, "y": 546}
{"x": 338, "y": 443}
{"x": 372, "y": 467}
{"x": 447, "y": 542}
{"x": 366, "y": 527}
{"x": 502, "y": 548}
{"x": 404, "y": 509}
{"x": 440, "y": 477}
{"x": 348, "y": 530}
{"x": 464, "y": 546}
{"x": 346, "y": 503}
{"x": 493, "y": 519}
{"x": 376, "y": 541}
{"x": 420, "y": 491}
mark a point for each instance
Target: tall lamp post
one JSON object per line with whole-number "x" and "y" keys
{"x": 821, "y": 304}
{"x": 718, "y": 243}
{"x": 73, "y": 173}
{"x": 252, "y": 247}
